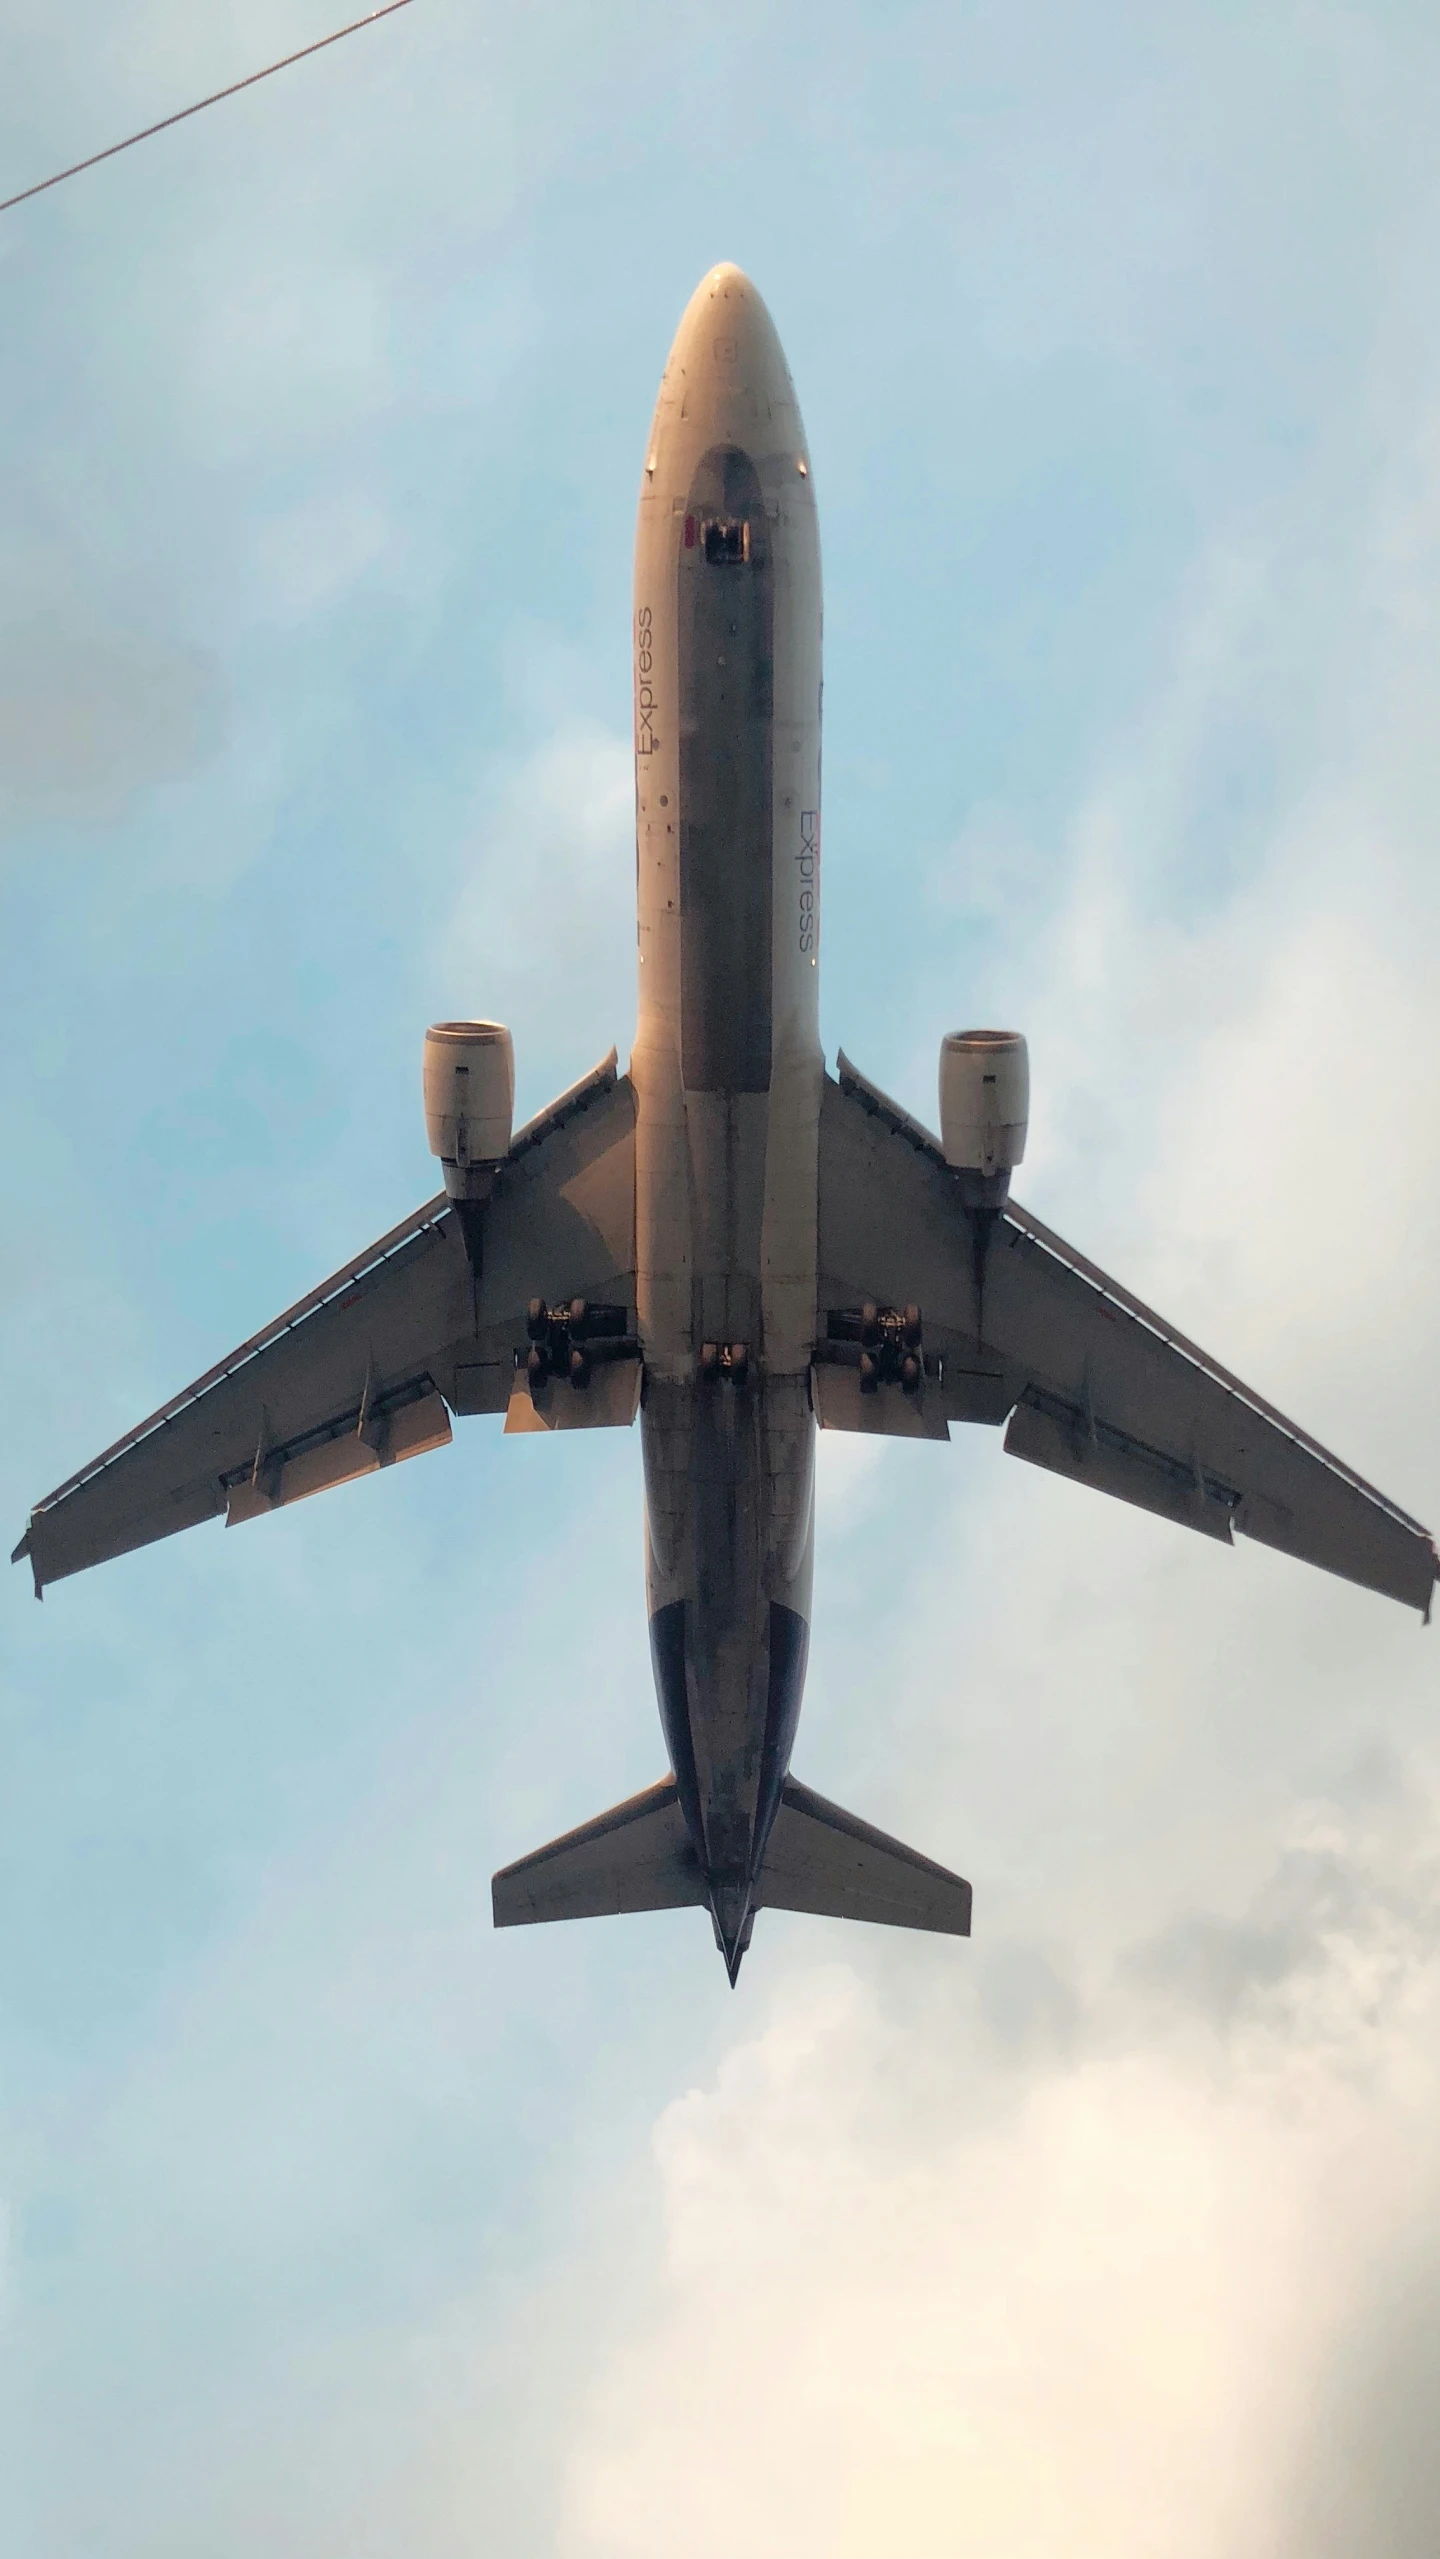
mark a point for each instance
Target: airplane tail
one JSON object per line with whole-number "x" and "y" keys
{"x": 818, "y": 1858}
{"x": 823, "y": 1859}
{"x": 635, "y": 1857}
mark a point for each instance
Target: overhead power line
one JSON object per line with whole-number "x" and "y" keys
{"x": 212, "y": 101}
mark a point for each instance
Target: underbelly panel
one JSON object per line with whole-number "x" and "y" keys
{"x": 727, "y": 698}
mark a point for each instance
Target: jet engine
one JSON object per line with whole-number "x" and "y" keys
{"x": 984, "y": 1110}
{"x": 469, "y": 1102}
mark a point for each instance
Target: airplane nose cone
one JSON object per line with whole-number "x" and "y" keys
{"x": 726, "y": 299}
{"x": 727, "y": 361}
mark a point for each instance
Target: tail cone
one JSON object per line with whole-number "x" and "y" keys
{"x": 734, "y": 1922}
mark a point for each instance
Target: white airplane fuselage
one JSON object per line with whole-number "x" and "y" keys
{"x": 727, "y": 1066}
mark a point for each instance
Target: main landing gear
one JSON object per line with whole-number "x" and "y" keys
{"x": 891, "y": 1343}
{"x": 568, "y": 1341}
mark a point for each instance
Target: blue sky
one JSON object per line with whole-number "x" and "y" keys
{"x": 335, "y": 2224}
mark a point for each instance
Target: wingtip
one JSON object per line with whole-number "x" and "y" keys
{"x": 18, "y": 1557}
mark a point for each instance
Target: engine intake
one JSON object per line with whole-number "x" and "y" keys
{"x": 469, "y": 1102}
{"x": 984, "y": 1109}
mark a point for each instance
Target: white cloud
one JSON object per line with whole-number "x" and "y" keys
{"x": 312, "y": 555}
{"x": 850, "y": 1472}
{"x": 93, "y": 715}
{"x": 268, "y": 355}
{"x": 917, "y": 2300}
{"x": 548, "y": 899}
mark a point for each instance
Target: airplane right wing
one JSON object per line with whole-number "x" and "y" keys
{"x": 1018, "y": 1327}
{"x": 368, "y": 1369}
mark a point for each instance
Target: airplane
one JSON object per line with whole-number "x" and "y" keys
{"x": 733, "y": 1243}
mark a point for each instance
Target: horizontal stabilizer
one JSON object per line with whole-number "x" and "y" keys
{"x": 635, "y": 1857}
{"x": 828, "y": 1861}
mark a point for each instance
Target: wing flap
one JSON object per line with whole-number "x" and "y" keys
{"x": 822, "y": 1859}
{"x": 384, "y": 1439}
{"x": 1069, "y": 1442}
{"x": 610, "y": 1401}
{"x": 635, "y": 1857}
{"x": 840, "y": 1405}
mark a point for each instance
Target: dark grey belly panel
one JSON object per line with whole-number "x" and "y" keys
{"x": 726, "y": 634}
{"x": 725, "y": 1851}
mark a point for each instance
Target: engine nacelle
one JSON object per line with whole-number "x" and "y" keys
{"x": 469, "y": 1101}
{"x": 984, "y": 1108}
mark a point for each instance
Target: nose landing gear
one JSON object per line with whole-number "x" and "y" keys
{"x": 730, "y": 1360}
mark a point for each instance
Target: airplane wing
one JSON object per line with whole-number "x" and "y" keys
{"x": 1017, "y": 1327}
{"x": 368, "y": 1369}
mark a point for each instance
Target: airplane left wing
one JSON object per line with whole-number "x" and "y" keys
{"x": 368, "y": 1369}
{"x": 1008, "y": 1323}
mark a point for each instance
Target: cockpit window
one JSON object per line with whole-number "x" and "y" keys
{"x": 727, "y": 542}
